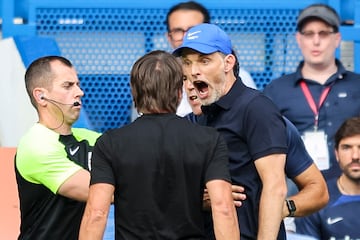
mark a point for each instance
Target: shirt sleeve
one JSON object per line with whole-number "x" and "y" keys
{"x": 218, "y": 165}
{"x": 45, "y": 162}
{"x": 297, "y": 159}
{"x": 266, "y": 132}
{"x": 101, "y": 169}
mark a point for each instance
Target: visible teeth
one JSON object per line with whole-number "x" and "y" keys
{"x": 193, "y": 97}
{"x": 201, "y": 86}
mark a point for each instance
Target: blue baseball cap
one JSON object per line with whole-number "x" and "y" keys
{"x": 205, "y": 38}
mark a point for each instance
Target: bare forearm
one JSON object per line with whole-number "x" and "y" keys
{"x": 223, "y": 210}
{"x": 271, "y": 171}
{"x": 93, "y": 225}
{"x": 96, "y": 212}
{"x": 313, "y": 194}
{"x": 226, "y": 225}
{"x": 270, "y": 212}
{"x": 307, "y": 201}
{"x": 238, "y": 194}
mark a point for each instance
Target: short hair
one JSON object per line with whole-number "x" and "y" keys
{"x": 236, "y": 68}
{"x": 348, "y": 128}
{"x": 156, "y": 81}
{"x": 190, "y": 5}
{"x": 40, "y": 74}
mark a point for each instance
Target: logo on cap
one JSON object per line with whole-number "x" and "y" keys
{"x": 191, "y": 35}
{"x": 206, "y": 38}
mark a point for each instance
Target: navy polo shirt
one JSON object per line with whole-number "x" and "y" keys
{"x": 338, "y": 220}
{"x": 342, "y": 102}
{"x": 297, "y": 158}
{"x": 253, "y": 128}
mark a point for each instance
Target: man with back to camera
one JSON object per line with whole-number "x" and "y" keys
{"x": 52, "y": 159}
{"x": 179, "y": 19}
{"x": 321, "y": 94}
{"x": 340, "y": 218}
{"x": 257, "y": 148}
{"x": 158, "y": 186}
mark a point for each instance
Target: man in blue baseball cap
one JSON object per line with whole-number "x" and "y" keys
{"x": 251, "y": 124}
{"x": 209, "y": 41}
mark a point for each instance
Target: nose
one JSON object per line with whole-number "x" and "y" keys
{"x": 195, "y": 70}
{"x": 188, "y": 85}
{"x": 356, "y": 153}
{"x": 316, "y": 39}
{"x": 80, "y": 92}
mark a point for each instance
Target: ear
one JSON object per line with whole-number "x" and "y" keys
{"x": 337, "y": 155}
{"x": 297, "y": 37}
{"x": 338, "y": 39}
{"x": 170, "y": 41}
{"x": 229, "y": 62}
{"x": 38, "y": 95}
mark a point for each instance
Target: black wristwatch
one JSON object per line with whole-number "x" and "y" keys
{"x": 291, "y": 206}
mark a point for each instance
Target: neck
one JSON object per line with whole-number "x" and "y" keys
{"x": 348, "y": 186}
{"x": 55, "y": 122}
{"x": 319, "y": 73}
{"x": 229, "y": 83}
{"x": 59, "y": 127}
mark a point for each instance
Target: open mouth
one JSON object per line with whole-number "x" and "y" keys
{"x": 193, "y": 97}
{"x": 202, "y": 88}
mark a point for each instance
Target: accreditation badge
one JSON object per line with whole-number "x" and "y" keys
{"x": 316, "y": 145}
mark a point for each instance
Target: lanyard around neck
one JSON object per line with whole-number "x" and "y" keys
{"x": 309, "y": 98}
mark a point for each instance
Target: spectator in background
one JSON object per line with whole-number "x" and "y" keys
{"x": 157, "y": 186}
{"x": 179, "y": 19}
{"x": 321, "y": 94}
{"x": 340, "y": 218}
{"x": 52, "y": 159}
{"x": 257, "y": 148}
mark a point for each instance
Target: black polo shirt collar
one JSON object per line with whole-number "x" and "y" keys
{"x": 226, "y": 101}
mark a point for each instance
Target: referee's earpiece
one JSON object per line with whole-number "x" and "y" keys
{"x": 41, "y": 96}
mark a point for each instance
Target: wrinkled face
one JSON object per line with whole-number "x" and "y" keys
{"x": 65, "y": 90}
{"x": 348, "y": 154}
{"x": 318, "y": 43}
{"x": 206, "y": 73}
{"x": 179, "y": 23}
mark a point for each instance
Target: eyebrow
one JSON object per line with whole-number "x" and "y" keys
{"x": 178, "y": 28}
{"x": 70, "y": 82}
{"x": 349, "y": 145}
{"x": 200, "y": 55}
